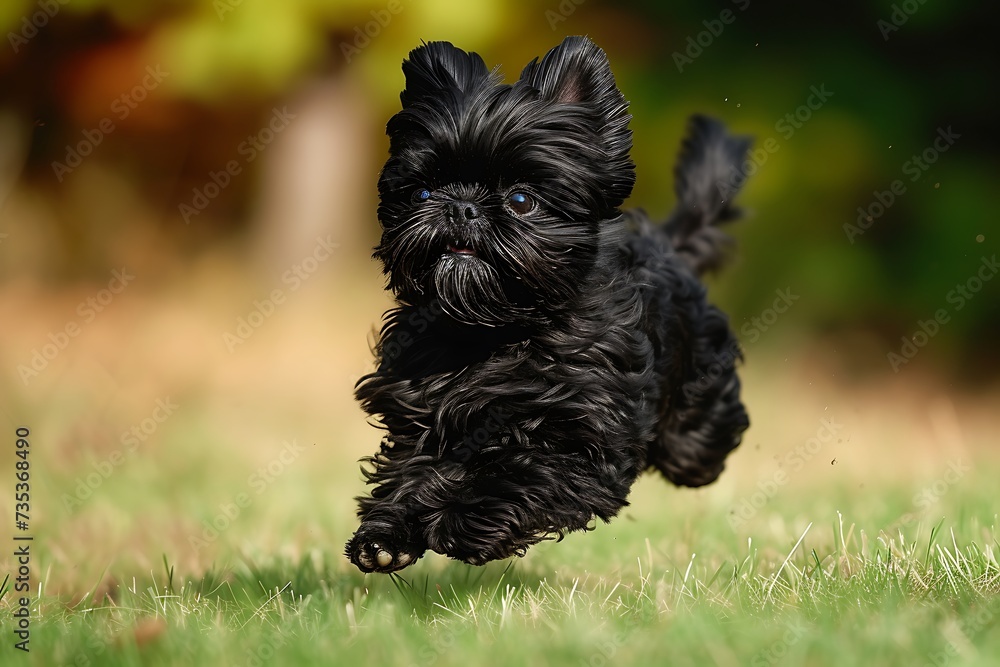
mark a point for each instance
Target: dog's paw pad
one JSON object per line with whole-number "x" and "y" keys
{"x": 379, "y": 557}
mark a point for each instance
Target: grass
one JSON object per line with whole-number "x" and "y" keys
{"x": 879, "y": 547}
{"x": 832, "y": 594}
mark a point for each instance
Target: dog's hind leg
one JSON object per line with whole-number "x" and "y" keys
{"x": 704, "y": 420}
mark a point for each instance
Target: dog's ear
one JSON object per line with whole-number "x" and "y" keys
{"x": 436, "y": 67}
{"x": 577, "y": 72}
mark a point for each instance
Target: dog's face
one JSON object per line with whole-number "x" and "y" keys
{"x": 493, "y": 193}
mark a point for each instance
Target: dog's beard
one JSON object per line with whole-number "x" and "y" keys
{"x": 502, "y": 272}
{"x": 495, "y": 273}
{"x": 471, "y": 291}
{"x": 461, "y": 271}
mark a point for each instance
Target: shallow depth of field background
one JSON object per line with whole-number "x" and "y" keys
{"x": 254, "y": 301}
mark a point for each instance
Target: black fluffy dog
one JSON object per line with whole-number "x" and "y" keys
{"x": 546, "y": 348}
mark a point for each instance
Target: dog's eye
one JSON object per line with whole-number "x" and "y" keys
{"x": 423, "y": 194}
{"x": 520, "y": 202}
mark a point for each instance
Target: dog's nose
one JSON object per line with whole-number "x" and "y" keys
{"x": 463, "y": 211}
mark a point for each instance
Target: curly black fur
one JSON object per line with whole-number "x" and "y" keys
{"x": 538, "y": 361}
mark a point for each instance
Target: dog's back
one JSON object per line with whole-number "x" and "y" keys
{"x": 701, "y": 416}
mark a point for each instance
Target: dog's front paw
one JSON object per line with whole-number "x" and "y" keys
{"x": 376, "y": 549}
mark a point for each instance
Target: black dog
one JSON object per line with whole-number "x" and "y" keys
{"x": 546, "y": 348}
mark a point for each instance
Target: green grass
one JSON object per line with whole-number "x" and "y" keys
{"x": 831, "y": 596}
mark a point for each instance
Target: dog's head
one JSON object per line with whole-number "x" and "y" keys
{"x": 493, "y": 193}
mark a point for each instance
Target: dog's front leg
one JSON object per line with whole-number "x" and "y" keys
{"x": 409, "y": 490}
{"x": 391, "y": 534}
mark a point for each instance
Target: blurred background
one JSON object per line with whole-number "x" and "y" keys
{"x": 187, "y": 210}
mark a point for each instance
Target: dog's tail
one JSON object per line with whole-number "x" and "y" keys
{"x": 708, "y": 174}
